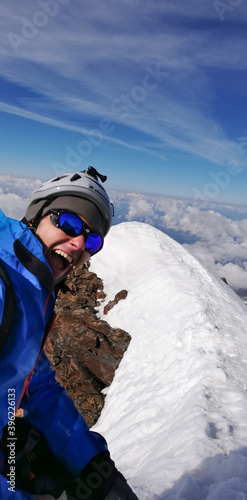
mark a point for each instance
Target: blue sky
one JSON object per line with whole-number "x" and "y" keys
{"x": 152, "y": 93}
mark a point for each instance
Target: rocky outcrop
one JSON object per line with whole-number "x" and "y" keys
{"x": 119, "y": 296}
{"x": 84, "y": 350}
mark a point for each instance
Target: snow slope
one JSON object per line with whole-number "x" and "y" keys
{"x": 175, "y": 416}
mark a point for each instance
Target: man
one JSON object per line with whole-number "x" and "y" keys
{"x": 52, "y": 448}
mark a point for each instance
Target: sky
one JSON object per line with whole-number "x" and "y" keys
{"x": 151, "y": 93}
{"x": 175, "y": 414}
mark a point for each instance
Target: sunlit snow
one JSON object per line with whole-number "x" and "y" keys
{"x": 175, "y": 416}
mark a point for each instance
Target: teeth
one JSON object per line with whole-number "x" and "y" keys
{"x": 65, "y": 255}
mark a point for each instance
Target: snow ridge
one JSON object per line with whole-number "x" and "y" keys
{"x": 175, "y": 414}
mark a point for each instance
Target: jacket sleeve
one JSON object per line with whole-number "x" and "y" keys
{"x": 7, "y": 488}
{"x": 2, "y": 298}
{"x": 48, "y": 407}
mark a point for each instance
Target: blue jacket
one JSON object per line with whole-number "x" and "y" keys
{"x": 24, "y": 380}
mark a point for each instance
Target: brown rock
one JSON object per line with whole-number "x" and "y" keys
{"x": 83, "y": 350}
{"x": 119, "y": 296}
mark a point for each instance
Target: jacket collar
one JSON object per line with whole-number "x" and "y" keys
{"x": 34, "y": 265}
{"x": 18, "y": 239}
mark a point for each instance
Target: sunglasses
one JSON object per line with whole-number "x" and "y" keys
{"x": 72, "y": 225}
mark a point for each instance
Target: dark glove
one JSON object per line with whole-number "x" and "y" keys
{"x": 121, "y": 491}
{"x": 100, "y": 480}
{"x": 43, "y": 485}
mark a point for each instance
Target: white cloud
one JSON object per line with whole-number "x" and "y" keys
{"x": 141, "y": 209}
{"x": 12, "y": 205}
{"x": 222, "y": 245}
{"x": 21, "y": 186}
{"x": 14, "y": 192}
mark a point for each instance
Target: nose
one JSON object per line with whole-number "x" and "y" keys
{"x": 78, "y": 242}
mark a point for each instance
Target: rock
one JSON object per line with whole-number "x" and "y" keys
{"x": 84, "y": 350}
{"x": 119, "y": 296}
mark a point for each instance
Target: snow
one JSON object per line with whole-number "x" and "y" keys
{"x": 175, "y": 416}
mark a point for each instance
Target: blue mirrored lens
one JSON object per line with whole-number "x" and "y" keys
{"x": 71, "y": 224}
{"x": 94, "y": 243}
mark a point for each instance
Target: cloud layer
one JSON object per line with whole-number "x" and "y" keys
{"x": 218, "y": 241}
{"x": 14, "y": 193}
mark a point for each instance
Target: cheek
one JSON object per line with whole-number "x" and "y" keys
{"x": 43, "y": 234}
{"x": 48, "y": 234}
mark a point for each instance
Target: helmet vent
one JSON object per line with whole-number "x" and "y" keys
{"x": 58, "y": 178}
{"x": 75, "y": 177}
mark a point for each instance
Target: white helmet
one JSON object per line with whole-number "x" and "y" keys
{"x": 83, "y": 185}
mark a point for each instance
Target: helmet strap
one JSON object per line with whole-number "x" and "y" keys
{"x": 38, "y": 216}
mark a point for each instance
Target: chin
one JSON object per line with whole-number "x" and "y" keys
{"x": 57, "y": 279}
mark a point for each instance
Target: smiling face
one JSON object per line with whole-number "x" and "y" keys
{"x": 64, "y": 253}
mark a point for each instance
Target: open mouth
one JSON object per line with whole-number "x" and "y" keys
{"x": 61, "y": 259}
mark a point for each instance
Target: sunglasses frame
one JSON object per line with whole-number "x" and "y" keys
{"x": 86, "y": 231}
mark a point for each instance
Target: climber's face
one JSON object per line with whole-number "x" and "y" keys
{"x": 64, "y": 253}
